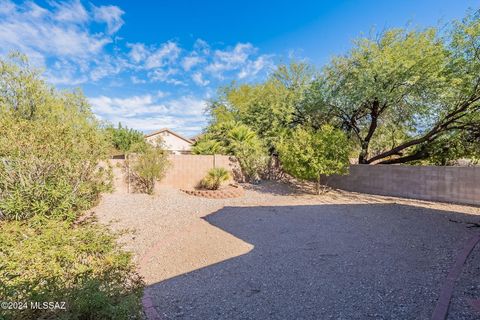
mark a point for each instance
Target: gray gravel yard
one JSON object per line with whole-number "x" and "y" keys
{"x": 280, "y": 254}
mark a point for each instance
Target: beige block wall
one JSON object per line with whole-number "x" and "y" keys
{"x": 186, "y": 171}
{"x": 446, "y": 184}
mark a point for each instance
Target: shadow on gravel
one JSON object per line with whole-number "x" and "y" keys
{"x": 357, "y": 261}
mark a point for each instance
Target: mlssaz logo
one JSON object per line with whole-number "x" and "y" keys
{"x": 48, "y": 305}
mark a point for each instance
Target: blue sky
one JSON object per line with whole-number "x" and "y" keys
{"x": 154, "y": 64}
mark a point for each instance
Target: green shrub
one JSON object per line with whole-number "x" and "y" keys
{"x": 147, "y": 168}
{"x": 51, "y": 169}
{"x": 82, "y": 266}
{"x": 214, "y": 178}
{"x": 308, "y": 154}
{"x": 50, "y": 149}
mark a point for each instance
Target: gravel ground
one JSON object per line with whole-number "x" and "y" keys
{"x": 278, "y": 253}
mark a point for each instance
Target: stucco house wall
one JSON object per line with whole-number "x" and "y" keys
{"x": 172, "y": 141}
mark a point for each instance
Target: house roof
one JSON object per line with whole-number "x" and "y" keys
{"x": 197, "y": 137}
{"x": 171, "y": 132}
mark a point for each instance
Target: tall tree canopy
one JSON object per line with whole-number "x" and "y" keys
{"x": 418, "y": 84}
{"x": 404, "y": 96}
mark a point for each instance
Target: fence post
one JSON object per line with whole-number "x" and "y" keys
{"x": 128, "y": 174}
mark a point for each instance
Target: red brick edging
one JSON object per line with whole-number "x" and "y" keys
{"x": 231, "y": 191}
{"x": 441, "y": 309}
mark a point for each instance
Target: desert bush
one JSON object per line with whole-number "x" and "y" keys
{"x": 214, "y": 178}
{"x": 50, "y": 148}
{"x": 81, "y": 266}
{"x": 51, "y": 169}
{"x": 147, "y": 168}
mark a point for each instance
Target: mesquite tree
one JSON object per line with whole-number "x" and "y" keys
{"x": 418, "y": 83}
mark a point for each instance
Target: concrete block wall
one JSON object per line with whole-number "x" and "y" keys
{"x": 446, "y": 184}
{"x": 186, "y": 171}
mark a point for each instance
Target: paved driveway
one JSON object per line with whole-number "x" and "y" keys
{"x": 338, "y": 261}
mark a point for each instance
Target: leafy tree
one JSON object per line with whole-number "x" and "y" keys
{"x": 425, "y": 86}
{"x": 267, "y": 108}
{"x": 126, "y": 140}
{"x": 308, "y": 154}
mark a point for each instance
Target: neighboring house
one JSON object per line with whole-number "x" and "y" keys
{"x": 197, "y": 137}
{"x": 172, "y": 141}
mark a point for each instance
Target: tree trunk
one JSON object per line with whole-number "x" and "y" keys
{"x": 317, "y": 185}
{"x": 362, "y": 158}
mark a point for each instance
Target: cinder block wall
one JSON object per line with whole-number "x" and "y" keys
{"x": 186, "y": 171}
{"x": 446, "y": 184}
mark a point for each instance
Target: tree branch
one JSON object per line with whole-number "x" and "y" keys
{"x": 440, "y": 127}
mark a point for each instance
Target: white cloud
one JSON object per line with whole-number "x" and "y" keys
{"x": 69, "y": 11}
{"x": 166, "y": 54}
{"x": 197, "y": 77}
{"x": 149, "y": 112}
{"x": 111, "y": 15}
{"x": 252, "y": 68}
{"x": 187, "y": 105}
{"x": 6, "y": 7}
{"x": 163, "y": 62}
{"x": 202, "y": 46}
{"x": 231, "y": 59}
{"x": 63, "y": 37}
{"x": 165, "y": 75}
{"x": 138, "y": 52}
{"x": 137, "y": 80}
{"x": 191, "y": 61}
{"x": 60, "y": 33}
{"x": 126, "y": 107}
